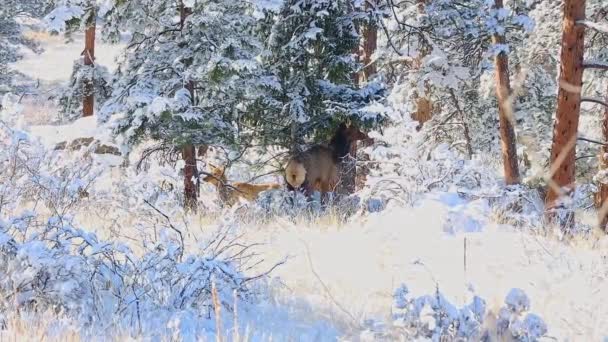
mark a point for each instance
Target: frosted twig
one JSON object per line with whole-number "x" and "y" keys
{"x": 326, "y": 289}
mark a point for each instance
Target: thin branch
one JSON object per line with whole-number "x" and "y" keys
{"x": 181, "y": 236}
{"x": 265, "y": 273}
{"x": 593, "y": 100}
{"x": 592, "y": 141}
{"x": 595, "y": 65}
{"x": 600, "y": 27}
{"x": 326, "y": 289}
{"x": 586, "y": 156}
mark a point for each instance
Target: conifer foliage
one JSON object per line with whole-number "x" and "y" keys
{"x": 309, "y": 60}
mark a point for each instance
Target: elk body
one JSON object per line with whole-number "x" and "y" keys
{"x": 230, "y": 193}
{"x": 318, "y": 168}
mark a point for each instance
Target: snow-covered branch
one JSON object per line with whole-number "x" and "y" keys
{"x": 600, "y": 27}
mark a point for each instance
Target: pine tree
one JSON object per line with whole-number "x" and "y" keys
{"x": 505, "y": 110}
{"x": 601, "y": 197}
{"x": 11, "y": 37}
{"x": 88, "y": 81}
{"x": 186, "y": 82}
{"x": 310, "y": 60}
{"x": 354, "y": 176}
{"x": 439, "y": 58}
{"x": 563, "y": 149}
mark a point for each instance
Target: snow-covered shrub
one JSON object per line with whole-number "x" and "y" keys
{"x": 49, "y": 264}
{"x": 405, "y": 166}
{"x": 517, "y": 303}
{"x": 434, "y": 317}
{"x": 73, "y": 273}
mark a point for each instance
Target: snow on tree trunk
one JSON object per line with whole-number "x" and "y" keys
{"x": 565, "y": 128}
{"x": 601, "y": 197}
{"x": 505, "y": 113}
{"x": 349, "y": 170}
{"x": 370, "y": 43}
{"x": 89, "y": 60}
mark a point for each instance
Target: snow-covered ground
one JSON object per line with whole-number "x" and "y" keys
{"x": 338, "y": 275}
{"x": 356, "y": 267}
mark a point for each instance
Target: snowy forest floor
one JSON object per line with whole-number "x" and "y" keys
{"x": 338, "y": 275}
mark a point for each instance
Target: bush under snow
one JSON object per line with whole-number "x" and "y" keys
{"x": 435, "y": 318}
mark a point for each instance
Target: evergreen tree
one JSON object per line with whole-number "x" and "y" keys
{"x": 442, "y": 50}
{"x": 213, "y": 49}
{"x": 11, "y": 36}
{"x": 187, "y": 77}
{"x": 88, "y": 87}
{"x": 309, "y": 60}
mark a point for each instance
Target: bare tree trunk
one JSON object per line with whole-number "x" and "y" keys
{"x": 88, "y": 102}
{"x": 188, "y": 150}
{"x": 349, "y": 172}
{"x": 190, "y": 173}
{"x": 505, "y": 112}
{"x": 565, "y": 128}
{"x": 424, "y": 105}
{"x": 362, "y": 170}
{"x": 370, "y": 42}
{"x": 601, "y": 197}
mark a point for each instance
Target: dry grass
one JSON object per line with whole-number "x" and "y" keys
{"x": 43, "y": 328}
{"x": 42, "y": 36}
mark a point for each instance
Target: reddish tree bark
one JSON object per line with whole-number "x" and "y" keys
{"x": 190, "y": 173}
{"x": 424, "y": 105}
{"x": 353, "y": 176}
{"x": 565, "y": 127}
{"x": 88, "y": 102}
{"x": 505, "y": 113}
{"x": 601, "y": 197}
{"x": 189, "y": 150}
{"x": 370, "y": 42}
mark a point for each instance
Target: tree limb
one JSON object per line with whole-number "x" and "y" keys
{"x": 592, "y": 141}
{"x": 181, "y": 236}
{"x": 595, "y": 65}
{"x": 593, "y": 100}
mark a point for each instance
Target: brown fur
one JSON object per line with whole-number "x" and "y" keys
{"x": 317, "y": 169}
{"x": 230, "y": 193}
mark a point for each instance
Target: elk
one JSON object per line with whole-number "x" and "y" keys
{"x": 317, "y": 169}
{"x": 230, "y": 193}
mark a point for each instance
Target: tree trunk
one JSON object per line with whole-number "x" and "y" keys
{"x": 505, "y": 112}
{"x": 370, "y": 42}
{"x": 565, "y": 128}
{"x": 424, "y": 105}
{"x": 189, "y": 150}
{"x": 350, "y": 173}
{"x": 190, "y": 173}
{"x": 601, "y": 197}
{"x": 88, "y": 101}
{"x": 363, "y": 169}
